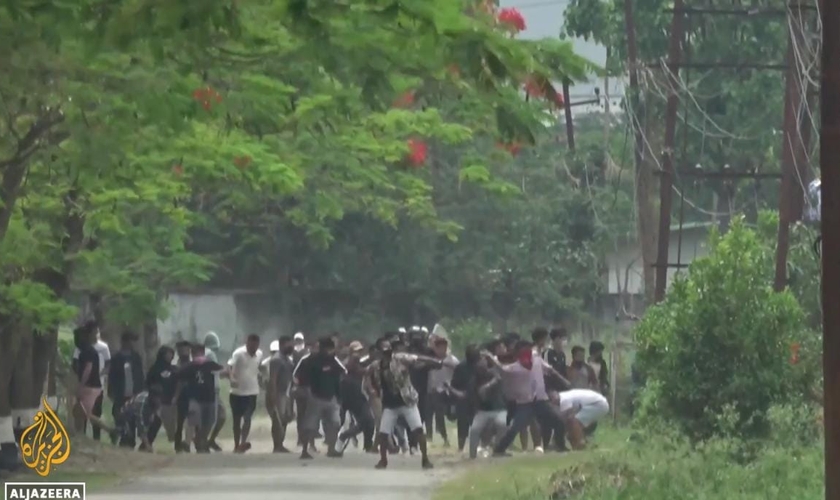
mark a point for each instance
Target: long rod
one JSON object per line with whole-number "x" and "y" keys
{"x": 570, "y": 126}
{"x": 667, "y": 178}
{"x": 791, "y": 145}
{"x": 830, "y": 171}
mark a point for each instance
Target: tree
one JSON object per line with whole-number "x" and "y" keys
{"x": 142, "y": 135}
{"x": 722, "y": 347}
{"x": 728, "y": 118}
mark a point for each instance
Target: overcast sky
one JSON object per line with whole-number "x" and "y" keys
{"x": 544, "y": 18}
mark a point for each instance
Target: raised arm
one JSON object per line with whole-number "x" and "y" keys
{"x": 554, "y": 373}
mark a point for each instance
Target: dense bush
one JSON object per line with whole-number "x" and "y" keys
{"x": 723, "y": 347}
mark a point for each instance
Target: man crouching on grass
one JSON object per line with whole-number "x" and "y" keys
{"x": 582, "y": 409}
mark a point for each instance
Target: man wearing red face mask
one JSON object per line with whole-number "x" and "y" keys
{"x": 526, "y": 379}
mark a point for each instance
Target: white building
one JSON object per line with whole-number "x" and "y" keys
{"x": 625, "y": 264}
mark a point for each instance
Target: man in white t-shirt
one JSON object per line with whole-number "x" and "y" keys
{"x": 590, "y": 407}
{"x": 244, "y": 370}
{"x": 104, "y": 364}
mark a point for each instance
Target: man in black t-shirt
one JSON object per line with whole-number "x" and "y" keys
{"x": 197, "y": 379}
{"x": 463, "y": 380}
{"x": 492, "y": 408}
{"x": 556, "y": 358}
{"x": 391, "y": 379}
{"x": 182, "y": 402}
{"x": 320, "y": 375}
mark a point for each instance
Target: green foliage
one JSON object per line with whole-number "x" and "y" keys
{"x": 726, "y": 116}
{"x": 663, "y": 470}
{"x": 465, "y": 332}
{"x": 145, "y": 147}
{"x": 717, "y": 352}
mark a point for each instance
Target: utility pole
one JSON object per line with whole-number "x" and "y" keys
{"x": 793, "y": 149}
{"x": 570, "y": 127}
{"x": 644, "y": 182}
{"x": 830, "y": 217}
{"x": 666, "y": 180}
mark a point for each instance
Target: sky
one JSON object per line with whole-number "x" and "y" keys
{"x": 544, "y": 19}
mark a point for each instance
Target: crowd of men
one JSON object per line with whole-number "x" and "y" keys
{"x": 396, "y": 392}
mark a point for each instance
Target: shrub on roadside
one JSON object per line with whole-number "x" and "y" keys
{"x": 664, "y": 470}
{"x": 719, "y": 351}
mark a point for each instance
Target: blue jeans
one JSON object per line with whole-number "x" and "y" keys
{"x": 523, "y": 415}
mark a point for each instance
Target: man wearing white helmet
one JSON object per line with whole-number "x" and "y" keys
{"x": 300, "y": 342}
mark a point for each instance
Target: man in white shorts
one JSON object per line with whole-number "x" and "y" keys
{"x": 391, "y": 381}
{"x": 590, "y": 408}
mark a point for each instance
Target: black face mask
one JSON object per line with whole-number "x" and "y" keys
{"x": 287, "y": 351}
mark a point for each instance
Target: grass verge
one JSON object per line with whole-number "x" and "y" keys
{"x": 524, "y": 476}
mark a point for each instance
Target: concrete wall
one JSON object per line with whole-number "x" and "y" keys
{"x": 231, "y": 316}
{"x": 694, "y": 245}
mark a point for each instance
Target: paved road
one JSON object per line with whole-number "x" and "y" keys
{"x": 259, "y": 475}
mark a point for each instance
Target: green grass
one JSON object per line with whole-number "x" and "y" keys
{"x": 524, "y": 476}
{"x": 649, "y": 468}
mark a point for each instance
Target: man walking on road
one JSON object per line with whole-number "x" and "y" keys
{"x": 392, "y": 380}
{"x": 244, "y": 372}
{"x": 211, "y": 352}
{"x": 126, "y": 376}
{"x": 278, "y": 393}
{"x": 353, "y": 400}
{"x": 320, "y": 375}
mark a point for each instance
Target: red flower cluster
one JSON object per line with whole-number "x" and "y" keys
{"x": 512, "y": 18}
{"x": 794, "y": 353}
{"x": 406, "y": 100}
{"x": 418, "y": 150}
{"x": 534, "y": 90}
{"x": 511, "y": 147}
{"x": 207, "y": 96}
{"x": 241, "y": 161}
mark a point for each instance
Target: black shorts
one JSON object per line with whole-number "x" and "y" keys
{"x": 242, "y": 406}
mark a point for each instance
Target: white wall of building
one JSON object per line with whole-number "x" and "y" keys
{"x": 694, "y": 245}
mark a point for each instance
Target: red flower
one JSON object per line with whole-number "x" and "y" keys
{"x": 406, "y": 100}
{"x": 512, "y": 147}
{"x": 207, "y": 96}
{"x": 242, "y": 161}
{"x": 417, "y": 152}
{"x": 559, "y": 100}
{"x": 794, "y": 353}
{"x": 512, "y": 18}
{"x": 178, "y": 170}
{"x": 532, "y": 88}
{"x": 454, "y": 70}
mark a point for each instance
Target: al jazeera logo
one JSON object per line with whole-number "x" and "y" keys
{"x": 43, "y": 445}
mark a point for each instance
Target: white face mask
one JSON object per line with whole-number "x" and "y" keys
{"x": 299, "y": 347}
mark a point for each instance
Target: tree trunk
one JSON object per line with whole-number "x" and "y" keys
{"x": 10, "y": 340}
{"x": 647, "y": 223}
{"x": 23, "y": 385}
{"x": 149, "y": 340}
